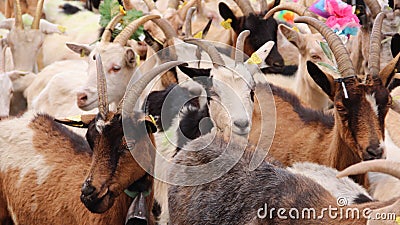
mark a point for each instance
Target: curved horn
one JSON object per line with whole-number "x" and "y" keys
{"x": 188, "y": 22}
{"x": 101, "y": 88}
{"x": 374, "y": 7}
{"x": 375, "y": 45}
{"x": 240, "y": 46}
{"x": 150, "y": 4}
{"x": 215, "y": 56}
{"x": 245, "y": 6}
{"x": 18, "y": 15}
{"x": 38, "y": 15}
{"x": 126, "y": 33}
{"x": 377, "y": 165}
{"x": 135, "y": 89}
{"x": 301, "y": 10}
{"x": 127, "y": 5}
{"x": 166, "y": 28}
{"x": 182, "y": 12}
{"x": 335, "y": 44}
{"x": 173, "y": 4}
{"x": 106, "y": 37}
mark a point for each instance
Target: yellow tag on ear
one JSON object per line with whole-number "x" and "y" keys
{"x": 76, "y": 118}
{"x": 227, "y": 23}
{"x": 137, "y": 59}
{"x": 199, "y": 35}
{"x": 62, "y": 29}
{"x": 183, "y": 4}
{"x": 83, "y": 53}
{"x": 396, "y": 98}
{"x": 121, "y": 10}
{"x": 295, "y": 29}
{"x": 398, "y": 220}
{"x": 254, "y": 59}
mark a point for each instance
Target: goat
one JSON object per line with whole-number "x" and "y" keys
{"x": 119, "y": 62}
{"x": 355, "y": 129}
{"x": 37, "y": 166}
{"x": 261, "y": 32}
{"x": 24, "y": 44}
{"x": 240, "y": 195}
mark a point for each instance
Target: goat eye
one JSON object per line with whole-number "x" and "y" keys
{"x": 252, "y": 95}
{"x": 116, "y": 68}
{"x": 340, "y": 108}
{"x": 94, "y": 57}
{"x": 315, "y": 57}
{"x": 390, "y": 101}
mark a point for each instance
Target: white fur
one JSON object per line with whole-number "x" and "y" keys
{"x": 372, "y": 101}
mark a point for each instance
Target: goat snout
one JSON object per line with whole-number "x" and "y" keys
{"x": 87, "y": 189}
{"x": 81, "y": 99}
{"x": 242, "y": 124}
{"x": 374, "y": 152}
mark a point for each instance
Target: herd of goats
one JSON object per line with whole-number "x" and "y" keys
{"x": 221, "y": 129}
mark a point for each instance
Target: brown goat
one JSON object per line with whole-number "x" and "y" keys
{"x": 40, "y": 158}
{"x": 355, "y": 130}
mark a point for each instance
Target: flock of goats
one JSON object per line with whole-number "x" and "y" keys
{"x": 219, "y": 134}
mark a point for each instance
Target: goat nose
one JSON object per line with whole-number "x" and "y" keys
{"x": 87, "y": 189}
{"x": 81, "y": 99}
{"x": 241, "y": 123}
{"x": 375, "y": 153}
{"x": 195, "y": 91}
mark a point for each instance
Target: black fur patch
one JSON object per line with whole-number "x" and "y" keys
{"x": 70, "y": 9}
{"x": 307, "y": 115}
{"x": 361, "y": 198}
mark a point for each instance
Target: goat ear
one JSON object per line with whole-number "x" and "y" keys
{"x": 291, "y": 35}
{"x": 7, "y": 23}
{"x": 227, "y": 13}
{"x": 395, "y": 45}
{"x": 15, "y": 74}
{"x": 390, "y": 69}
{"x": 81, "y": 121}
{"x": 325, "y": 81}
{"x": 83, "y": 50}
{"x": 130, "y": 57}
{"x": 50, "y": 28}
{"x": 194, "y": 72}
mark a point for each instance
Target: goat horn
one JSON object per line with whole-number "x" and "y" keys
{"x": 3, "y": 60}
{"x": 38, "y": 15}
{"x": 377, "y": 165}
{"x": 263, "y": 6}
{"x": 173, "y": 4}
{"x": 375, "y": 45}
{"x": 18, "y": 15}
{"x": 240, "y": 46}
{"x": 301, "y": 10}
{"x": 215, "y": 56}
{"x": 188, "y": 22}
{"x": 335, "y": 44}
{"x": 166, "y": 27}
{"x": 106, "y": 37}
{"x": 136, "y": 88}
{"x": 150, "y": 4}
{"x": 245, "y": 6}
{"x": 182, "y": 12}
{"x": 374, "y": 7}
{"x": 127, "y": 5}
{"x": 126, "y": 33}
{"x": 101, "y": 88}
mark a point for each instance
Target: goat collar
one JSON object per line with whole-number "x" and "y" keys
{"x": 341, "y": 80}
{"x": 134, "y": 194}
